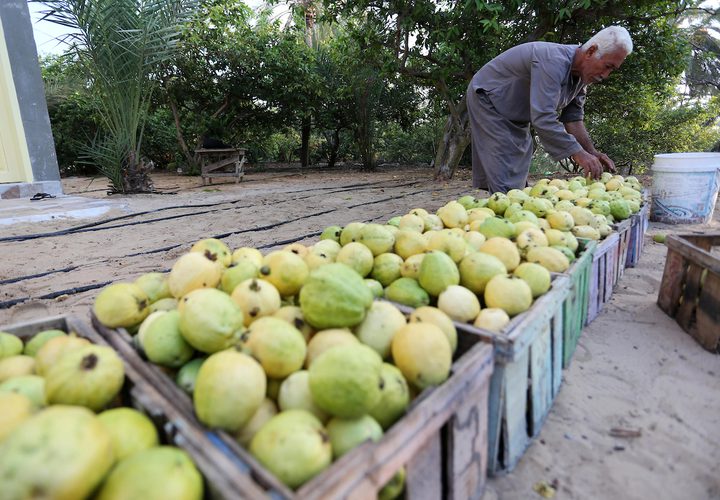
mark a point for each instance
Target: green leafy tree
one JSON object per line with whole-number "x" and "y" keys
{"x": 442, "y": 44}
{"x": 121, "y": 45}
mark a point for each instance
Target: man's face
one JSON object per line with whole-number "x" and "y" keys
{"x": 596, "y": 69}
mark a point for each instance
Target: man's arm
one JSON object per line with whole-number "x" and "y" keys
{"x": 578, "y": 130}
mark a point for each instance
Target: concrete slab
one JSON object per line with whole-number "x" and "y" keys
{"x": 18, "y": 211}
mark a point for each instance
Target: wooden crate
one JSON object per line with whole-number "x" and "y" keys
{"x": 603, "y": 274}
{"x": 527, "y": 375}
{"x": 221, "y": 478}
{"x": 690, "y": 287}
{"x": 624, "y": 232}
{"x": 640, "y": 222}
{"x": 575, "y": 307}
{"x": 441, "y": 441}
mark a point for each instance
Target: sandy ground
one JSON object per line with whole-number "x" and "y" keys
{"x": 634, "y": 367}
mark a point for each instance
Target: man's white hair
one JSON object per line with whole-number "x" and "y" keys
{"x": 610, "y": 39}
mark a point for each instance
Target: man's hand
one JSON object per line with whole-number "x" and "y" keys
{"x": 607, "y": 163}
{"x": 589, "y": 163}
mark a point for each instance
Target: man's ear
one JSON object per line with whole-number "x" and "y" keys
{"x": 591, "y": 50}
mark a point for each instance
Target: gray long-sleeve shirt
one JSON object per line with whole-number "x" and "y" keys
{"x": 532, "y": 83}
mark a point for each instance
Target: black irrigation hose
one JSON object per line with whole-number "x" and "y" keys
{"x": 93, "y": 226}
{"x": 40, "y": 275}
{"x": 72, "y": 291}
{"x": 54, "y": 295}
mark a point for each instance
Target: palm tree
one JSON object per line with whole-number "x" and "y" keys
{"x": 121, "y": 44}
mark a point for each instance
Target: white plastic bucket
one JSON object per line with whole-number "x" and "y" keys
{"x": 685, "y": 187}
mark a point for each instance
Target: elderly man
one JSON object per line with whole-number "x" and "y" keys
{"x": 540, "y": 84}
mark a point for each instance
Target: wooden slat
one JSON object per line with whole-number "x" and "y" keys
{"x": 692, "y": 252}
{"x": 424, "y": 471}
{"x": 707, "y": 328}
{"x": 467, "y": 446}
{"x": 496, "y": 417}
{"x": 514, "y": 411}
{"x": 541, "y": 379}
{"x": 556, "y": 342}
{"x": 575, "y": 308}
{"x": 671, "y": 284}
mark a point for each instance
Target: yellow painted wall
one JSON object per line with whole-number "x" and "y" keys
{"x": 14, "y": 157}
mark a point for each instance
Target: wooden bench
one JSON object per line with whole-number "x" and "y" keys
{"x": 215, "y": 162}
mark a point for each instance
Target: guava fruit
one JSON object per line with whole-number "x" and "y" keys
{"x": 285, "y": 270}
{"x": 459, "y": 303}
{"x": 158, "y": 472}
{"x": 163, "y": 343}
{"x": 345, "y": 380}
{"x": 39, "y": 339}
{"x": 620, "y": 209}
{"x": 277, "y": 345}
{"x": 121, "y": 305}
{"x": 294, "y": 394}
{"x": 130, "y": 430}
{"x": 498, "y": 203}
{"x": 377, "y": 238}
{"x": 68, "y": 444}
{"x": 193, "y": 271}
{"x": 453, "y": 214}
{"x": 229, "y": 388}
{"x": 334, "y": 296}
{"x": 351, "y": 233}
{"x": 10, "y": 345}
{"x": 408, "y": 243}
{"x": 378, "y": 327}
{"x": 476, "y": 269}
{"x": 54, "y": 349}
{"x": 187, "y": 375}
{"x": 347, "y": 433}
{"x": 549, "y": 258}
{"x": 325, "y": 339}
{"x": 91, "y": 376}
{"x": 294, "y": 316}
{"x": 210, "y": 320}
{"x": 356, "y": 256}
{"x": 214, "y": 250}
{"x": 16, "y": 366}
{"x": 386, "y": 268}
{"x": 492, "y": 319}
{"x": 422, "y": 353}
{"x": 394, "y": 396}
{"x": 15, "y": 408}
{"x": 236, "y": 274}
{"x": 256, "y": 298}
{"x": 393, "y": 489}
{"x": 511, "y": 294}
{"x": 375, "y": 287}
{"x": 448, "y": 241}
{"x": 495, "y": 226}
{"x": 535, "y": 275}
{"x": 331, "y": 233}
{"x": 437, "y": 317}
{"x": 504, "y": 250}
{"x": 412, "y": 222}
{"x": 407, "y": 291}
{"x": 267, "y": 410}
{"x": 248, "y": 254}
{"x": 31, "y": 386}
{"x": 155, "y": 285}
{"x": 294, "y": 446}
{"x": 437, "y": 272}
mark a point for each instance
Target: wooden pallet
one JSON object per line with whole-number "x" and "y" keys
{"x": 575, "y": 307}
{"x": 690, "y": 287}
{"x": 603, "y": 274}
{"x": 527, "y": 375}
{"x": 640, "y": 223}
{"x": 441, "y": 441}
{"x": 221, "y": 479}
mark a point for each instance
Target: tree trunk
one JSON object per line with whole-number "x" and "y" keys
{"x": 334, "y": 141}
{"x": 190, "y": 158}
{"x": 305, "y": 141}
{"x": 363, "y": 129}
{"x": 455, "y": 139}
{"x": 136, "y": 175}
